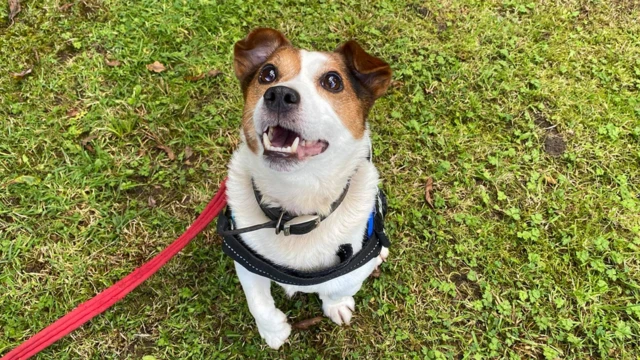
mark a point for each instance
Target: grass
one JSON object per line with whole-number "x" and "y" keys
{"x": 526, "y": 115}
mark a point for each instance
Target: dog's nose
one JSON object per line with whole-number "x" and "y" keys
{"x": 281, "y": 98}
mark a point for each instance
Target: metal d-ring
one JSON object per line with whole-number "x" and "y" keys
{"x": 279, "y": 222}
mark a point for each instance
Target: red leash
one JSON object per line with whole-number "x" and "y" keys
{"x": 104, "y": 300}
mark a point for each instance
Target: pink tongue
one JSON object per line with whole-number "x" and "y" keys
{"x": 310, "y": 150}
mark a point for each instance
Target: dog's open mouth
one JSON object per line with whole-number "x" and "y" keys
{"x": 282, "y": 142}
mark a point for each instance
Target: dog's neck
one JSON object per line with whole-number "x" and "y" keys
{"x": 312, "y": 189}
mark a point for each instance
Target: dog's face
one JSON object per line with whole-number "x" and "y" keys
{"x": 302, "y": 107}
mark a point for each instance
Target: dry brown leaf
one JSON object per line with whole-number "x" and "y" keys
{"x": 550, "y": 180}
{"x": 214, "y": 73}
{"x": 85, "y": 143}
{"x": 14, "y": 9}
{"x": 376, "y": 273}
{"x": 427, "y": 192}
{"x": 210, "y": 73}
{"x": 188, "y": 153}
{"x": 168, "y": 150}
{"x": 157, "y": 67}
{"x": 112, "y": 63}
{"x": 65, "y": 7}
{"x": 307, "y": 323}
{"x": 152, "y": 202}
{"x": 22, "y": 74}
{"x": 72, "y": 112}
{"x": 194, "y": 78}
{"x": 396, "y": 84}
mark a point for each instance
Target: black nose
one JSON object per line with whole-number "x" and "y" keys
{"x": 281, "y": 98}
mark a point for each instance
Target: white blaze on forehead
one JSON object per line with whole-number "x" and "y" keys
{"x": 312, "y": 62}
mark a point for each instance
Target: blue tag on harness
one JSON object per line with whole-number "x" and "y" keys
{"x": 370, "y": 225}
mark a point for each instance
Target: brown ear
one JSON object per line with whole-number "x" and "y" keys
{"x": 252, "y": 51}
{"x": 373, "y": 73}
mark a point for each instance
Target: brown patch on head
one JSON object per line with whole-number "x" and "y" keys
{"x": 261, "y": 47}
{"x": 250, "y": 54}
{"x": 351, "y": 109}
{"x": 365, "y": 78}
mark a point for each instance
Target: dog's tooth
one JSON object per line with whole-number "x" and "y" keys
{"x": 294, "y": 146}
{"x": 287, "y": 149}
{"x": 270, "y": 132}
{"x": 303, "y": 143}
{"x": 266, "y": 141}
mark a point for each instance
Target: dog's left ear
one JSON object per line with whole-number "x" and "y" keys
{"x": 252, "y": 51}
{"x": 373, "y": 73}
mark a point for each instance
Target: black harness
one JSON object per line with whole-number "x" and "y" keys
{"x": 373, "y": 240}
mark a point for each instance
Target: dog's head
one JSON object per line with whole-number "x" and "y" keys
{"x": 305, "y": 107}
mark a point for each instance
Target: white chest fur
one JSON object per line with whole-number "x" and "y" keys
{"x": 317, "y": 249}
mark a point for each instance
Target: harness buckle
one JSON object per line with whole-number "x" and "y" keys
{"x": 313, "y": 220}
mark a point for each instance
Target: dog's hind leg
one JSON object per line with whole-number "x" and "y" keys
{"x": 272, "y": 323}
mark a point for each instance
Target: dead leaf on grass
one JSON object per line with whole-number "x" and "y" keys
{"x": 72, "y": 112}
{"x": 167, "y": 150}
{"x": 188, "y": 153}
{"x": 152, "y": 202}
{"x": 156, "y": 67}
{"x": 65, "y": 7}
{"x": 307, "y": 323}
{"x": 427, "y": 192}
{"x": 396, "y": 84}
{"x": 14, "y": 9}
{"x": 376, "y": 273}
{"x": 210, "y": 73}
{"x": 214, "y": 73}
{"x": 550, "y": 180}
{"x": 112, "y": 63}
{"x": 194, "y": 78}
{"x": 85, "y": 143}
{"x": 21, "y": 75}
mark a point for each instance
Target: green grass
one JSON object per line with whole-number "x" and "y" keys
{"x": 524, "y": 255}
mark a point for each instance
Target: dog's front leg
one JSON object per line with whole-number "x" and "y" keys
{"x": 338, "y": 304}
{"x": 272, "y": 323}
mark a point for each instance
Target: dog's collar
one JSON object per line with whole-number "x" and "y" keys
{"x": 290, "y": 224}
{"x": 285, "y": 223}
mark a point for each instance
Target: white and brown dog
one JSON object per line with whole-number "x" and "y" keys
{"x": 305, "y": 137}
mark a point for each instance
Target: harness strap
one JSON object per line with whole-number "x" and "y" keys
{"x": 252, "y": 261}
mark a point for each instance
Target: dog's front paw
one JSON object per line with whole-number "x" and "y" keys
{"x": 274, "y": 329}
{"x": 339, "y": 311}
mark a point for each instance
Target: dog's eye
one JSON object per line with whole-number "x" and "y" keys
{"x": 331, "y": 81}
{"x": 268, "y": 74}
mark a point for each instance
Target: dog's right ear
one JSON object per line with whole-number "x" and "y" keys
{"x": 252, "y": 51}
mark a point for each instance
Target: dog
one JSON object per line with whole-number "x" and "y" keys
{"x": 305, "y": 144}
